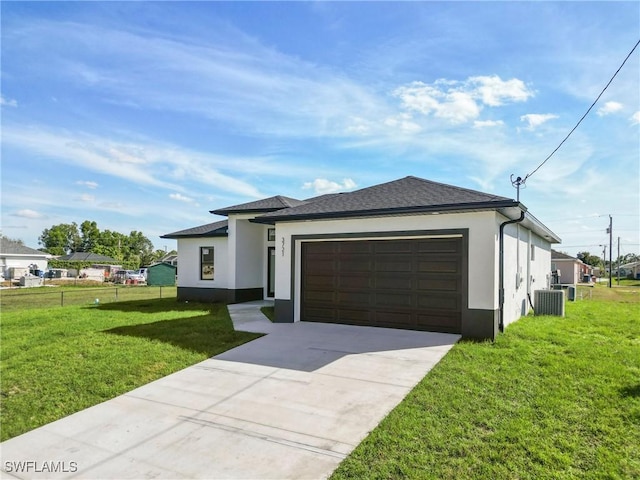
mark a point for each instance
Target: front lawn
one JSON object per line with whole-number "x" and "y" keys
{"x": 552, "y": 398}
{"x": 65, "y": 295}
{"x": 55, "y": 362}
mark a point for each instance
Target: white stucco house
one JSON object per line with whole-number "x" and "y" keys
{"x": 17, "y": 259}
{"x": 410, "y": 253}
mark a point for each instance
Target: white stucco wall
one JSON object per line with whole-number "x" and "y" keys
{"x": 483, "y": 248}
{"x": 8, "y": 261}
{"x": 189, "y": 262}
{"x": 247, "y": 252}
{"x": 522, "y": 273}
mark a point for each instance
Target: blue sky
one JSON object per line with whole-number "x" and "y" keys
{"x": 145, "y": 116}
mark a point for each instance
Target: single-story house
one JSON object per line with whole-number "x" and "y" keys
{"x": 170, "y": 258}
{"x": 629, "y": 270}
{"x": 88, "y": 257}
{"x": 571, "y": 270}
{"x": 410, "y": 253}
{"x": 17, "y": 259}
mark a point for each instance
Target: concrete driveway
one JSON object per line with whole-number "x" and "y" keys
{"x": 291, "y": 404}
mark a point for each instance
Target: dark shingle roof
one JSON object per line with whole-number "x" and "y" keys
{"x": 88, "y": 257}
{"x": 8, "y": 246}
{"x": 216, "y": 229}
{"x": 406, "y": 195}
{"x": 555, "y": 255}
{"x": 270, "y": 204}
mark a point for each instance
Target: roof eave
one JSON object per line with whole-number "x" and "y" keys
{"x": 41, "y": 254}
{"x": 226, "y": 213}
{"x": 541, "y": 229}
{"x": 449, "y": 208}
{"x": 195, "y": 235}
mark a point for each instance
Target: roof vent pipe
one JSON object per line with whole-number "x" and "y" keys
{"x": 501, "y": 268}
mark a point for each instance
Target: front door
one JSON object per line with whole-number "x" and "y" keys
{"x": 271, "y": 271}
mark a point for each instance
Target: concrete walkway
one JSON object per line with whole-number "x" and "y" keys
{"x": 291, "y": 404}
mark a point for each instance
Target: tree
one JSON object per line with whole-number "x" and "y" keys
{"x": 133, "y": 250}
{"x": 61, "y": 239}
{"x": 589, "y": 259}
{"x": 90, "y": 235}
{"x": 630, "y": 258}
{"x": 16, "y": 241}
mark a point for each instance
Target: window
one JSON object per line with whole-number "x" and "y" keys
{"x": 533, "y": 252}
{"x": 206, "y": 263}
{"x": 271, "y": 235}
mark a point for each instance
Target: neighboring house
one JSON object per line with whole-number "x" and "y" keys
{"x": 572, "y": 270}
{"x": 17, "y": 259}
{"x": 410, "y": 253}
{"x": 88, "y": 257}
{"x": 170, "y": 258}
{"x": 630, "y": 270}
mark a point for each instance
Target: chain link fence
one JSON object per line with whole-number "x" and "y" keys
{"x": 20, "y": 299}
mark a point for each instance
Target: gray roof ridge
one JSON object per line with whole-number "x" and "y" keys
{"x": 455, "y": 187}
{"x": 287, "y": 201}
{"x": 12, "y": 247}
{"x": 274, "y": 202}
{"x": 364, "y": 195}
{"x": 558, "y": 255}
{"x": 200, "y": 230}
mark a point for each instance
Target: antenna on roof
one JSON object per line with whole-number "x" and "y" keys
{"x": 517, "y": 183}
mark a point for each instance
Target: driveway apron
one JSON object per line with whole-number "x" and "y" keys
{"x": 291, "y": 404}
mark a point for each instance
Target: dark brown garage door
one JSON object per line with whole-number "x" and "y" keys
{"x": 414, "y": 283}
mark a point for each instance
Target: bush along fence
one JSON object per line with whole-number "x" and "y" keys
{"x": 17, "y": 300}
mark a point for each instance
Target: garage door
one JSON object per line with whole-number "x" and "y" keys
{"x": 414, "y": 283}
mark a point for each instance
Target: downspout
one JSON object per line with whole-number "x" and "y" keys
{"x": 501, "y": 268}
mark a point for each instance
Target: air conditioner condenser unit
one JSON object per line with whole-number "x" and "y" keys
{"x": 549, "y": 302}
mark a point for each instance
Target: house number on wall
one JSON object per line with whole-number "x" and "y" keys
{"x": 282, "y": 246}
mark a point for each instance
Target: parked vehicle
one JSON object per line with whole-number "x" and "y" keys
{"x": 128, "y": 276}
{"x": 143, "y": 271}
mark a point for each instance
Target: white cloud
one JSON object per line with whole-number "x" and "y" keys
{"x": 128, "y": 154}
{"x": 461, "y": 101}
{"x": 609, "y": 107}
{"x": 487, "y": 123}
{"x": 228, "y": 77}
{"x": 150, "y": 164}
{"x": 27, "y": 213}
{"x": 322, "y": 185}
{"x": 88, "y": 184}
{"x": 358, "y": 126}
{"x": 403, "y": 122}
{"x": 86, "y": 198}
{"x": 635, "y": 118}
{"x": 534, "y": 120}
{"x": 495, "y": 92}
{"x": 112, "y": 206}
{"x": 181, "y": 198}
{"x": 8, "y": 103}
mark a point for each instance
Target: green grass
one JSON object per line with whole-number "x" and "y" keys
{"x": 268, "y": 312}
{"x": 55, "y": 362}
{"x": 52, "y": 297}
{"x": 552, "y": 398}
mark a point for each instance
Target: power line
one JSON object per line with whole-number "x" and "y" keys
{"x": 520, "y": 181}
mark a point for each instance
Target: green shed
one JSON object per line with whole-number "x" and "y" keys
{"x": 161, "y": 274}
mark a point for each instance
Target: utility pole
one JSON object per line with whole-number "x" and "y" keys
{"x": 618, "y": 261}
{"x": 610, "y": 231}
